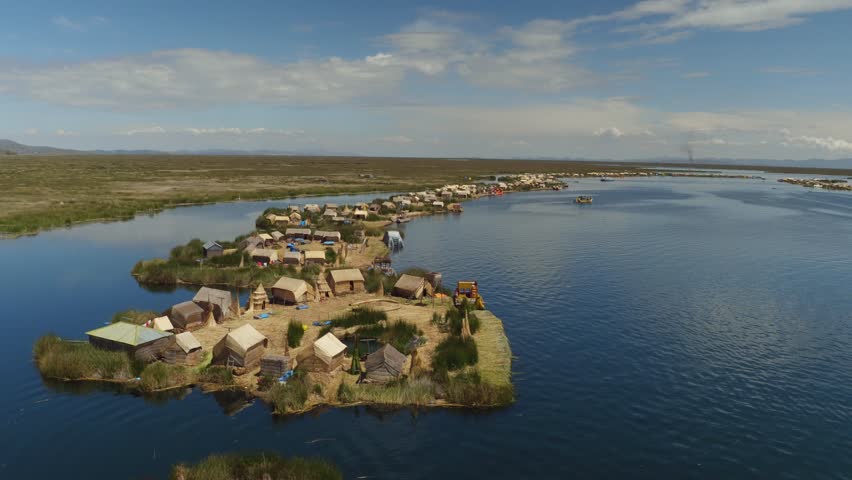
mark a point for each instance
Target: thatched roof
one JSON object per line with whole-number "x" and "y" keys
{"x": 314, "y": 254}
{"x": 328, "y": 347}
{"x": 386, "y": 357}
{"x": 410, "y": 283}
{"x": 259, "y": 291}
{"x": 242, "y": 339}
{"x": 222, "y": 298}
{"x": 265, "y": 236}
{"x": 265, "y": 253}
{"x": 347, "y": 275}
{"x": 128, "y": 333}
{"x": 298, "y": 231}
{"x": 293, "y": 255}
{"x": 276, "y": 235}
{"x": 298, "y": 287}
{"x": 187, "y": 342}
{"x": 162, "y": 324}
{"x": 187, "y": 309}
{"x": 327, "y": 234}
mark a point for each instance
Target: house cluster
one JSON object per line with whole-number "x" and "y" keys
{"x": 828, "y": 184}
{"x": 300, "y": 215}
{"x": 277, "y": 247}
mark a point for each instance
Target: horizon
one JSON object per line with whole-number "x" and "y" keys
{"x": 664, "y": 79}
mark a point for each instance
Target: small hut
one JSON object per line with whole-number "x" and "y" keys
{"x": 384, "y": 365}
{"x": 277, "y": 236}
{"x": 264, "y": 255}
{"x": 291, "y": 290}
{"x": 259, "y": 300}
{"x": 295, "y": 217}
{"x": 187, "y": 316}
{"x": 325, "y": 356}
{"x": 274, "y": 366}
{"x": 267, "y": 239}
{"x": 162, "y": 324}
{"x": 241, "y": 347}
{"x": 324, "y": 236}
{"x": 184, "y": 351}
{"x": 297, "y": 233}
{"x": 145, "y": 344}
{"x": 217, "y": 302}
{"x": 346, "y": 281}
{"x": 409, "y": 286}
{"x": 360, "y": 214}
{"x": 315, "y": 256}
{"x": 292, "y": 258}
{"x": 212, "y": 249}
{"x": 251, "y": 243}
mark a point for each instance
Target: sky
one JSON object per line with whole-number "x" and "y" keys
{"x": 469, "y": 78}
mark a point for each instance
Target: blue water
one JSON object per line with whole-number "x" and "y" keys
{"x": 676, "y": 328}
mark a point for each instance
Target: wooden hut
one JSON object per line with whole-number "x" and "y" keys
{"x": 295, "y": 217}
{"x": 291, "y": 290}
{"x": 384, "y": 365}
{"x": 264, "y": 255}
{"x": 187, "y": 316}
{"x": 360, "y": 214}
{"x": 409, "y": 286}
{"x": 185, "y": 350}
{"x": 241, "y": 347}
{"x": 212, "y": 249}
{"x": 277, "y": 236}
{"x": 325, "y": 355}
{"x": 292, "y": 258}
{"x": 274, "y": 366}
{"x": 297, "y": 233}
{"x": 217, "y": 302}
{"x": 145, "y": 344}
{"x": 258, "y": 300}
{"x": 345, "y": 282}
{"x": 267, "y": 239}
{"x": 324, "y": 236}
{"x": 250, "y": 243}
{"x": 315, "y": 256}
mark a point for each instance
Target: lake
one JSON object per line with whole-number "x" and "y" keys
{"x": 675, "y": 328}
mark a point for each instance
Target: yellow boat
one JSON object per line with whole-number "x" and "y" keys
{"x": 583, "y": 199}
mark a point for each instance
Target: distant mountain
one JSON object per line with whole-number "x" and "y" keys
{"x": 8, "y": 147}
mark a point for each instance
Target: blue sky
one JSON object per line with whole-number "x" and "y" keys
{"x": 620, "y": 80}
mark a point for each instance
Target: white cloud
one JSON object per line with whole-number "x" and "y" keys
{"x": 691, "y": 75}
{"x": 66, "y": 133}
{"x": 611, "y": 132}
{"x": 193, "y": 77}
{"x": 156, "y": 130}
{"x": 77, "y": 25}
{"x": 143, "y": 130}
{"x": 827, "y": 143}
{"x": 397, "y": 140}
{"x": 31, "y": 131}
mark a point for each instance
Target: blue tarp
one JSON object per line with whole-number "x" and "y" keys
{"x": 262, "y": 315}
{"x": 328, "y": 243}
{"x": 301, "y": 307}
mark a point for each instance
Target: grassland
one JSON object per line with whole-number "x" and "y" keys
{"x": 256, "y": 466}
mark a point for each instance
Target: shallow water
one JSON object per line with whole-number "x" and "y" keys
{"x": 676, "y": 328}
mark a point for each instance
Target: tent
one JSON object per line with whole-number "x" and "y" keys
{"x": 385, "y": 364}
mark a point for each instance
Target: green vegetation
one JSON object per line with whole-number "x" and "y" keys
{"x": 330, "y": 256}
{"x": 162, "y": 376}
{"x": 373, "y": 277}
{"x": 418, "y": 391}
{"x": 454, "y": 353}
{"x": 345, "y": 393}
{"x": 355, "y": 317}
{"x": 68, "y": 360}
{"x": 255, "y": 467}
{"x": 290, "y": 396}
{"x": 398, "y": 333}
{"x": 454, "y": 317}
{"x": 217, "y": 374}
{"x": 137, "y": 317}
{"x": 468, "y": 389}
{"x": 295, "y": 332}
{"x": 168, "y": 272}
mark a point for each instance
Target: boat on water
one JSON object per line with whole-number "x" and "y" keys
{"x": 607, "y": 179}
{"x": 583, "y": 199}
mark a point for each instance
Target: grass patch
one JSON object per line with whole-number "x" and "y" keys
{"x": 256, "y": 466}
{"x": 418, "y": 391}
{"x": 170, "y": 272}
{"x": 454, "y": 353}
{"x": 398, "y": 333}
{"x": 290, "y": 396}
{"x": 454, "y": 317}
{"x": 66, "y": 360}
{"x": 136, "y": 317}
{"x": 295, "y": 332}
{"x": 355, "y": 317}
{"x": 161, "y": 376}
{"x": 218, "y": 374}
{"x": 469, "y": 389}
{"x": 345, "y": 393}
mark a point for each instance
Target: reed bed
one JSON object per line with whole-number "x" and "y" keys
{"x": 256, "y": 466}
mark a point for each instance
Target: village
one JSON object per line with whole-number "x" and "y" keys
{"x": 823, "y": 183}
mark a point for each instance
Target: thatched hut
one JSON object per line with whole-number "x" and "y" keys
{"x": 384, "y": 365}
{"x": 212, "y": 249}
{"x": 274, "y": 366}
{"x": 145, "y": 344}
{"x": 292, "y": 258}
{"x": 295, "y": 217}
{"x": 300, "y": 233}
{"x": 360, "y": 214}
{"x": 277, "y": 236}
{"x": 315, "y": 257}
{"x": 162, "y": 324}
{"x": 250, "y": 243}
{"x": 346, "y": 281}
{"x": 259, "y": 300}
{"x": 264, "y": 255}
{"x": 187, "y": 316}
{"x": 185, "y": 350}
{"x": 241, "y": 347}
{"x": 325, "y": 355}
{"x": 267, "y": 239}
{"x": 409, "y": 286}
{"x": 217, "y": 302}
{"x": 327, "y": 236}
{"x": 291, "y": 290}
